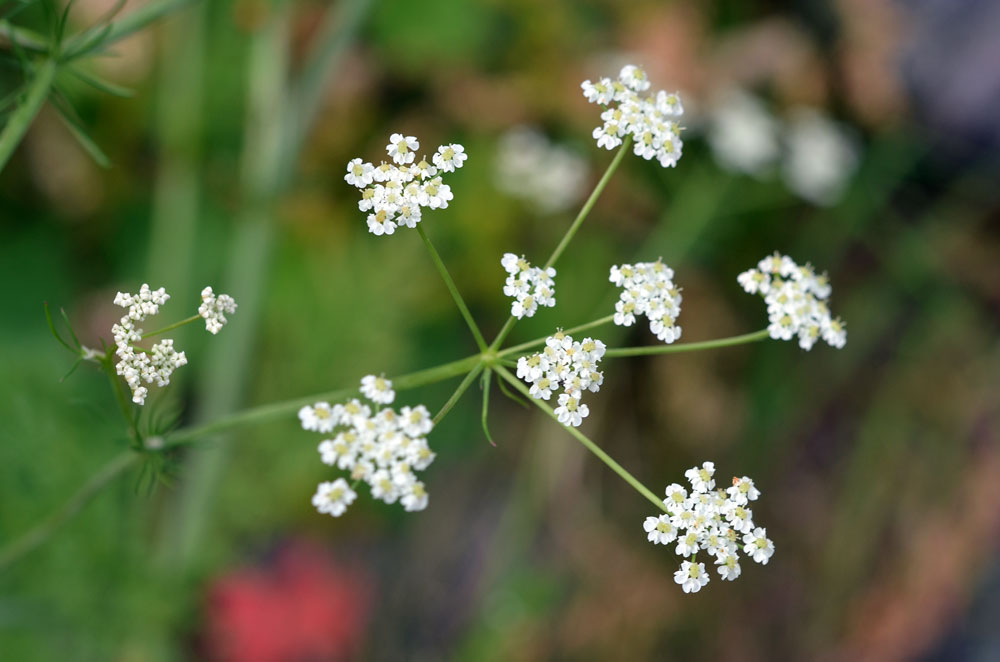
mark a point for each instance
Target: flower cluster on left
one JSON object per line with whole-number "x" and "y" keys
{"x": 383, "y": 448}
{"x": 156, "y": 364}
{"x": 394, "y": 193}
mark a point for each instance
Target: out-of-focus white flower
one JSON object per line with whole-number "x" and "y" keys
{"x": 334, "y": 498}
{"x": 547, "y": 175}
{"x": 743, "y": 135}
{"x": 529, "y": 286}
{"x": 648, "y": 289}
{"x": 569, "y": 365}
{"x": 821, "y": 157}
{"x": 393, "y": 193}
{"x": 709, "y": 520}
{"x": 796, "y": 301}
{"x": 215, "y": 308}
{"x": 650, "y": 120}
{"x": 377, "y": 389}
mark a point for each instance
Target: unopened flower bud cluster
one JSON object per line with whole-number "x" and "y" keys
{"x": 718, "y": 522}
{"x": 394, "y": 193}
{"x": 214, "y": 309}
{"x": 648, "y": 289}
{"x": 568, "y": 365}
{"x": 383, "y": 448}
{"x": 796, "y": 301}
{"x": 648, "y": 119}
{"x": 529, "y": 286}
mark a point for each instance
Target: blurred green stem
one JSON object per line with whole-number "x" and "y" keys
{"x": 459, "y": 301}
{"x": 19, "y": 121}
{"x": 11, "y": 35}
{"x": 123, "y": 402}
{"x": 43, "y": 531}
{"x": 171, "y": 327}
{"x": 571, "y": 232}
{"x": 756, "y": 336}
{"x": 579, "y": 436}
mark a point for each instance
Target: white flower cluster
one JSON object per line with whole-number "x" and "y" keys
{"x": 648, "y": 289}
{"x": 796, "y": 301}
{"x": 713, "y": 520}
{"x": 648, "y": 119}
{"x": 402, "y": 188}
{"x": 382, "y": 448}
{"x": 135, "y": 364}
{"x": 564, "y": 364}
{"x": 214, "y": 309}
{"x": 530, "y": 286}
{"x": 546, "y": 174}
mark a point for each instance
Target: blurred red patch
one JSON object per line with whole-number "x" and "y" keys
{"x": 301, "y": 605}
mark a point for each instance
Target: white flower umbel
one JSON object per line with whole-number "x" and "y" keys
{"x": 567, "y": 365}
{"x": 138, "y": 365}
{"x": 648, "y": 289}
{"x": 796, "y": 301}
{"x": 545, "y": 174}
{"x": 717, "y": 522}
{"x": 649, "y": 119}
{"x": 743, "y": 135}
{"x": 394, "y": 194}
{"x": 821, "y": 157}
{"x": 215, "y": 308}
{"x": 382, "y": 448}
{"x": 529, "y": 286}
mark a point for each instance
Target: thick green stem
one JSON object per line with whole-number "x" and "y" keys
{"x": 462, "y": 388}
{"x": 570, "y": 331}
{"x": 689, "y": 346}
{"x": 278, "y": 410}
{"x": 579, "y": 436}
{"x": 43, "y": 531}
{"x": 577, "y": 222}
{"x": 459, "y": 301}
{"x": 19, "y": 121}
{"x": 171, "y": 327}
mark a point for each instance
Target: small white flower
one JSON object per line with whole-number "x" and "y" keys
{"x": 729, "y": 566}
{"x": 648, "y": 289}
{"x": 415, "y": 498}
{"x": 691, "y": 576}
{"x": 214, "y": 309}
{"x": 701, "y": 477}
{"x": 742, "y": 491}
{"x": 570, "y": 410}
{"x": 659, "y": 530}
{"x": 529, "y": 286}
{"x": 743, "y": 135}
{"x": 450, "y": 157}
{"x": 334, "y": 498}
{"x": 401, "y": 148}
{"x": 359, "y": 173}
{"x": 377, "y": 389}
{"x": 758, "y": 546}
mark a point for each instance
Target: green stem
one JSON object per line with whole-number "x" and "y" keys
{"x": 487, "y": 378}
{"x": 579, "y": 436}
{"x": 541, "y": 341}
{"x": 577, "y": 222}
{"x": 19, "y": 121}
{"x": 123, "y": 400}
{"x": 436, "y": 258}
{"x": 43, "y": 531}
{"x": 11, "y": 35}
{"x": 171, "y": 327}
{"x": 688, "y": 347}
{"x": 279, "y": 410}
{"x": 462, "y": 388}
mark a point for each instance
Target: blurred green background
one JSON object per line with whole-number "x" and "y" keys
{"x": 879, "y": 464}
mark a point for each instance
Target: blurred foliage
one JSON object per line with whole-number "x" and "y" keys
{"x": 879, "y": 464}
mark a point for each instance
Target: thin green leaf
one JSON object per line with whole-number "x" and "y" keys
{"x": 487, "y": 375}
{"x": 52, "y": 328}
{"x": 76, "y": 364}
{"x": 76, "y": 127}
{"x": 63, "y": 20}
{"x": 76, "y": 341}
{"x": 513, "y": 396}
{"x": 100, "y": 84}
{"x": 89, "y": 43}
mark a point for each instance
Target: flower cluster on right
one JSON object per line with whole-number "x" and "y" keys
{"x": 566, "y": 364}
{"x": 712, "y": 520}
{"x": 648, "y": 289}
{"x": 796, "y": 301}
{"x": 402, "y": 188}
{"x": 529, "y": 286}
{"x": 649, "y": 120}
{"x": 382, "y": 448}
